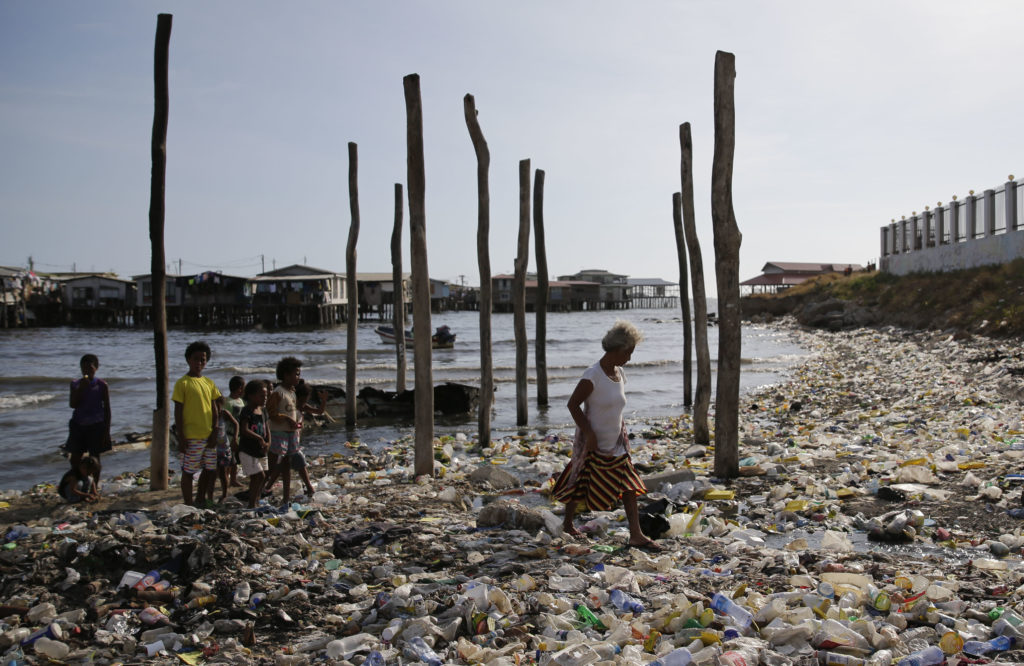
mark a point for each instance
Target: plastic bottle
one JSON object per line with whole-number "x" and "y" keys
{"x": 242, "y": 592}
{"x": 879, "y": 598}
{"x": 625, "y": 603}
{"x": 997, "y": 644}
{"x": 418, "y": 648}
{"x": 739, "y": 657}
{"x": 740, "y": 616}
{"x": 201, "y": 601}
{"x": 678, "y": 657}
{"x": 880, "y": 658}
{"x": 51, "y": 631}
{"x": 150, "y": 615}
{"x": 930, "y": 656}
{"x": 149, "y": 580}
{"x": 256, "y": 599}
{"x": 375, "y": 658}
{"x": 587, "y": 616}
{"x": 51, "y": 648}
{"x": 838, "y": 659}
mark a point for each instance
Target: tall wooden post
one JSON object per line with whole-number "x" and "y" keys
{"x": 398, "y": 300}
{"x": 541, "y": 306}
{"x": 483, "y": 255}
{"x": 727, "y": 267}
{"x": 519, "y": 292}
{"x": 677, "y": 225}
{"x": 701, "y": 432}
{"x": 158, "y": 270}
{"x": 422, "y": 356}
{"x": 352, "y": 285}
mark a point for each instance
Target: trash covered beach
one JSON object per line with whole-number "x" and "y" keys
{"x": 876, "y": 521}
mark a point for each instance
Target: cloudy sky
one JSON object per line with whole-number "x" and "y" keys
{"x": 847, "y": 115}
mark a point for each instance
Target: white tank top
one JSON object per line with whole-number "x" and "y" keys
{"x": 604, "y": 407}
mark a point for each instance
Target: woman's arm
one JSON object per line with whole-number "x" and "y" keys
{"x": 579, "y": 395}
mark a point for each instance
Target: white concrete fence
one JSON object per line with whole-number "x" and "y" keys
{"x": 979, "y": 230}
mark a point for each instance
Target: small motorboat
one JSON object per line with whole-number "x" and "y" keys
{"x": 443, "y": 338}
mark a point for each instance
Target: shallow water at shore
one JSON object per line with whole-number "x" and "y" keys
{"x": 39, "y": 363}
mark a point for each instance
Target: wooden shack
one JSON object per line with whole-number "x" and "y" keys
{"x": 99, "y": 300}
{"x": 299, "y": 295}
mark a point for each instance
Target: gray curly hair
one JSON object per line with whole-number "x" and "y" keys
{"x": 622, "y": 335}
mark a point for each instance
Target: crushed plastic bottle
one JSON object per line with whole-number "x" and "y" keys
{"x": 979, "y": 648}
{"x": 625, "y": 602}
{"x": 678, "y": 657}
{"x": 740, "y": 616}
{"x": 417, "y": 648}
{"x": 930, "y": 656}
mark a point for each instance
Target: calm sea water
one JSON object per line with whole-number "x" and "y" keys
{"x": 38, "y": 364}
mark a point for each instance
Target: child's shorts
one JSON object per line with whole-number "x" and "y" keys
{"x": 197, "y": 457}
{"x": 251, "y": 465}
{"x": 284, "y": 443}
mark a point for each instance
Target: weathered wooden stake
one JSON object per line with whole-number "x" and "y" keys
{"x": 398, "y": 299}
{"x": 519, "y": 292}
{"x": 422, "y": 355}
{"x": 352, "y": 285}
{"x": 727, "y": 266}
{"x": 158, "y": 269}
{"x": 684, "y": 300}
{"x": 701, "y": 432}
{"x": 541, "y": 305}
{"x": 483, "y": 255}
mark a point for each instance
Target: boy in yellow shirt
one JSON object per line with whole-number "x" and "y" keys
{"x": 197, "y": 405}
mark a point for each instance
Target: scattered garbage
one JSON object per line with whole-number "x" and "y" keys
{"x": 873, "y": 525}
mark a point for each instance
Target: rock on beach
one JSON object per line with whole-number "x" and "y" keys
{"x": 915, "y": 438}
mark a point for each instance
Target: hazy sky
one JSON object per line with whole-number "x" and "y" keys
{"x": 847, "y": 115}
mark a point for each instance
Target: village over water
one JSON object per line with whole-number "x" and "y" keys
{"x": 296, "y": 295}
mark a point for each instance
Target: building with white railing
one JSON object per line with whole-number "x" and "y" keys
{"x": 978, "y": 230}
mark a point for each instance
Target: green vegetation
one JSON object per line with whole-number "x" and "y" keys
{"x": 987, "y": 300}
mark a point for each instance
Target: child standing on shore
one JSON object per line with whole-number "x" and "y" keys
{"x": 254, "y": 439}
{"x": 227, "y": 451}
{"x": 89, "y": 428}
{"x": 283, "y": 414}
{"x": 197, "y": 406}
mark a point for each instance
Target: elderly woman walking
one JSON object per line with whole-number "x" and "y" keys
{"x": 601, "y": 470}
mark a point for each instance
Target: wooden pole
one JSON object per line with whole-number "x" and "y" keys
{"x": 727, "y": 265}
{"x": 422, "y": 355}
{"x": 519, "y": 292}
{"x": 541, "y": 306}
{"x": 483, "y": 255}
{"x": 398, "y": 300}
{"x": 684, "y": 300}
{"x": 158, "y": 270}
{"x": 701, "y": 432}
{"x": 352, "y": 285}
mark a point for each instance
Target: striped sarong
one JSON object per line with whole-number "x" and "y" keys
{"x": 599, "y": 481}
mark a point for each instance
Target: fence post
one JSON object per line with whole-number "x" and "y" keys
{"x": 1010, "y": 201}
{"x": 915, "y": 233}
{"x": 972, "y": 217}
{"x": 940, "y": 223}
{"x": 954, "y": 222}
{"x": 989, "y": 212}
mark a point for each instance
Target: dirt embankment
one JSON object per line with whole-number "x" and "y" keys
{"x": 987, "y": 301}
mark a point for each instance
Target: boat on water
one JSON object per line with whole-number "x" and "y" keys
{"x": 443, "y": 338}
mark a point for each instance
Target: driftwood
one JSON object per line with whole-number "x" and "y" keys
{"x": 519, "y": 292}
{"x": 684, "y": 300}
{"x": 422, "y": 354}
{"x": 727, "y": 265}
{"x": 541, "y": 306}
{"x": 351, "y": 284}
{"x": 158, "y": 269}
{"x": 701, "y": 432}
{"x": 398, "y": 294}
{"x": 483, "y": 255}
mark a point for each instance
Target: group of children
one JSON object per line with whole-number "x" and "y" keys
{"x": 258, "y": 427}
